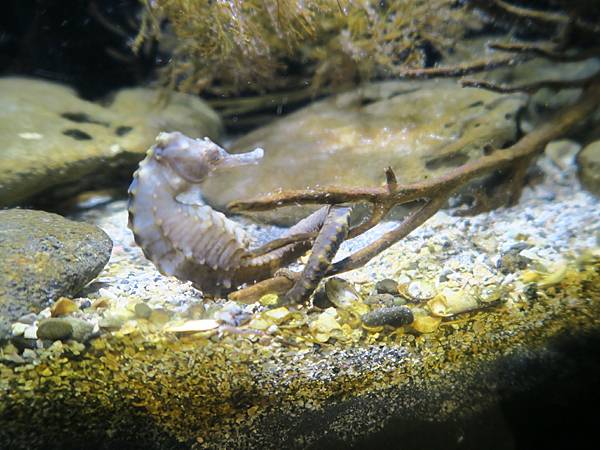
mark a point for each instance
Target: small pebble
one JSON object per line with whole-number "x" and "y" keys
{"x": 28, "y": 319}
{"x": 63, "y": 306}
{"x": 159, "y": 316}
{"x": 85, "y": 303}
{"x": 421, "y": 290}
{"x": 54, "y": 329}
{"x": 380, "y": 299}
{"x": 112, "y": 322}
{"x": 142, "y": 310}
{"x": 387, "y": 286}
{"x": 18, "y": 328}
{"x": 395, "y": 316}
{"x": 30, "y": 332}
{"x": 82, "y": 330}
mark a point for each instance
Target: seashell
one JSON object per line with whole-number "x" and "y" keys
{"x": 341, "y": 293}
{"x": 193, "y": 326}
{"x": 425, "y": 323}
{"x": 277, "y": 315}
{"x": 63, "y": 306}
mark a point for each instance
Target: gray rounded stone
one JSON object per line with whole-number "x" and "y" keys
{"x": 588, "y": 164}
{"x": 387, "y": 286}
{"x": 142, "y": 310}
{"x": 44, "y": 257}
{"x": 54, "y": 329}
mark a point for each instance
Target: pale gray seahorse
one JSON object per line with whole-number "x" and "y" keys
{"x": 193, "y": 242}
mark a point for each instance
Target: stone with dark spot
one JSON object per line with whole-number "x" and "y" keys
{"x": 44, "y": 257}
{"x": 55, "y": 143}
{"x": 76, "y": 134}
{"x": 421, "y": 129}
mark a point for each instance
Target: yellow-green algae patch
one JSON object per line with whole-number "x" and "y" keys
{"x": 250, "y": 389}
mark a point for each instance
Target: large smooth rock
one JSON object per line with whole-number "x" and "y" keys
{"x": 44, "y": 257}
{"x": 50, "y": 138}
{"x": 588, "y": 162}
{"x": 420, "y": 129}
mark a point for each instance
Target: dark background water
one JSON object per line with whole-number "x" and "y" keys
{"x": 82, "y": 43}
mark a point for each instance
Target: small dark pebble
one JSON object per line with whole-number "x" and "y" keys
{"x": 28, "y": 318}
{"x": 531, "y": 292}
{"x": 54, "y": 329}
{"x": 395, "y": 316}
{"x": 85, "y": 303}
{"x": 142, "y": 310}
{"x": 321, "y": 300}
{"x": 22, "y": 343}
{"x": 380, "y": 299}
{"x": 387, "y": 286}
{"x": 511, "y": 261}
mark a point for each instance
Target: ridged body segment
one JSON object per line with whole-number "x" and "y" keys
{"x": 333, "y": 232}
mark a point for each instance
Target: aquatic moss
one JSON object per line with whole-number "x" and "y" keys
{"x": 251, "y": 45}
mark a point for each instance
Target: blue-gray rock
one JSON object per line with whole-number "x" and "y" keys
{"x": 45, "y": 256}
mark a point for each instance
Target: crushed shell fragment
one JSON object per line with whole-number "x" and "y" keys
{"x": 341, "y": 292}
{"x": 193, "y": 326}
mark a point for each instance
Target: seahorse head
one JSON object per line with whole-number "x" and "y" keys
{"x": 194, "y": 159}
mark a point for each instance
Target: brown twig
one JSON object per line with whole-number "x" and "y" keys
{"x": 546, "y": 16}
{"x": 529, "y": 88}
{"x": 545, "y": 51}
{"x": 459, "y": 70}
{"x": 435, "y": 192}
{"x": 414, "y": 219}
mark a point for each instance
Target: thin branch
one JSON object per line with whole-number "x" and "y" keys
{"x": 276, "y": 285}
{"x": 545, "y": 51}
{"x": 546, "y": 16}
{"x": 527, "y": 13}
{"x": 528, "y": 145}
{"x": 529, "y": 88}
{"x": 412, "y": 221}
{"x": 458, "y": 70}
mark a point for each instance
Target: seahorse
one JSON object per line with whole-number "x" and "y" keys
{"x": 192, "y": 242}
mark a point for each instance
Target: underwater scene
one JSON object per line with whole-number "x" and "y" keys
{"x": 299, "y": 224}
